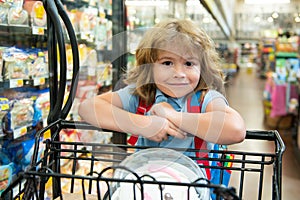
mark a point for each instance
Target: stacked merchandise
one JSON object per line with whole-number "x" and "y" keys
{"x": 266, "y": 61}
{"x": 24, "y": 92}
{"x": 21, "y": 117}
{"x": 281, "y": 89}
{"x": 229, "y": 59}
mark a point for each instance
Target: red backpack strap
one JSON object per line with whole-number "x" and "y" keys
{"x": 141, "y": 110}
{"x": 201, "y": 144}
{"x": 194, "y": 105}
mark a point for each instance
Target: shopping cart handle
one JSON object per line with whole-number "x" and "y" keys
{"x": 80, "y": 125}
{"x": 271, "y": 135}
{"x": 261, "y": 135}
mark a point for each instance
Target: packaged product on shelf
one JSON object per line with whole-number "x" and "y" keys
{"x": 102, "y": 32}
{"x": 85, "y": 90}
{"x": 38, "y": 15}
{"x": 74, "y": 18}
{"x": 4, "y": 105}
{"x": 20, "y": 151}
{"x": 104, "y": 73}
{"x": 281, "y": 71}
{"x": 36, "y": 63}
{"x": 22, "y": 113}
{"x": 18, "y": 16}
{"x": 92, "y": 63}
{"x": 2, "y": 49}
{"x": 4, "y": 8}
{"x": 87, "y": 23}
{"x": 293, "y": 69}
{"x": 42, "y": 103}
{"x": 15, "y": 66}
{"x": 69, "y": 55}
{"x": 83, "y": 52}
{"x": 6, "y": 171}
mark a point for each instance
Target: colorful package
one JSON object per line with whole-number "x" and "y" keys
{"x": 4, "y": 108}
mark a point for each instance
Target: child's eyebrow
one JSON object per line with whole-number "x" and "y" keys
{"x": 191, "y": 58}
{"x": 165, "y": 58}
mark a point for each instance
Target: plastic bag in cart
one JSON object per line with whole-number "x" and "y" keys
{"x": 163, "y": 165}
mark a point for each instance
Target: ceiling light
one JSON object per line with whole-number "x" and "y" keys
{"x": 206, "y": 20}
{"x": 266, "y": 1}
{"x": 275, "y": 15}
{"x": 257, "y": 19}
{"x": 270, "y": 19}
{"x": 297, "y": 19}
{"x": 146, "y": 3}
{"x": 193, "y": 3}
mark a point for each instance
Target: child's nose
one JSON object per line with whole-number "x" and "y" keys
{"x": 179, "y": 71}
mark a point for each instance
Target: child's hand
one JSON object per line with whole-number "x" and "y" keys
{"x": 161, "y": 128}
{"x": 162, "y": 109}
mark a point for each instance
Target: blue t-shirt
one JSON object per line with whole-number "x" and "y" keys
{"x": 130, "y": 103}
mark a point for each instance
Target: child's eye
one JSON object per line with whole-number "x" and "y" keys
{"x": 189, "y": 64}
{"x": 168, "y": 63}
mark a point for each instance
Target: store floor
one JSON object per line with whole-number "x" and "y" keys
{"x": 244, "y": 93}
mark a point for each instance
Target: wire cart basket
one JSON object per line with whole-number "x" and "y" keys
{"x": 58, "y": 174}
{"x": 97, "y": 181}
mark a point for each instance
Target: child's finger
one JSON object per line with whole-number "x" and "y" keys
{"x": 176, "y": 132}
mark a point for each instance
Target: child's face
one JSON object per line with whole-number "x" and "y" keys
{"x": 176, "y": 75}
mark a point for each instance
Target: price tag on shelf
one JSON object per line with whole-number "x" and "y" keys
{"x": 13, "y": 83}
{"x": 4, "y": 107}
{"x": 36, "y": 30}
{"x": 20, "y": 132}
{"x": 39, "y": 81}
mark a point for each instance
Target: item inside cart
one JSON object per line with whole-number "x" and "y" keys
{"x": 160, "y": 164}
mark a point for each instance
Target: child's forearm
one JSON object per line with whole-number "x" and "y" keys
{"x": 103, "y": 114}
{"x": 223, "y": 127}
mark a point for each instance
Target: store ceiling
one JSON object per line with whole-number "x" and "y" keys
{"x": 232, "y": 20}
{"x": 241, "y": 21}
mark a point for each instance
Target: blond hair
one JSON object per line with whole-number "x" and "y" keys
{"x": 164, "y": 37}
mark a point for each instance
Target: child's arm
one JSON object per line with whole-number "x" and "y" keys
{"x": 219, "y": 124}
{"x": 105, "y": 111}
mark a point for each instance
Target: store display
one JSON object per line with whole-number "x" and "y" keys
{"x": 24, "y": 70}
{"x": 281, "y": 93}
{"x": 24, "y": 63}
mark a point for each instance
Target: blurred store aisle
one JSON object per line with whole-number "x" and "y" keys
{"x": 245, "y": 94}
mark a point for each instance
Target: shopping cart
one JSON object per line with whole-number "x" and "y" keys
{"x": 57, "y": 172}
